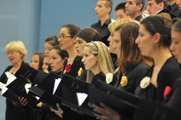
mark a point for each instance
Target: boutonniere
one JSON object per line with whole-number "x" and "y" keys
{"x": 124, "y": 81}
{"x": 145, "y": 82}
{"x": 68, "y": 68}
{"x": 80, "y": 72}
{"x": 167, "y": 91}
{"x": 109, "y": 78}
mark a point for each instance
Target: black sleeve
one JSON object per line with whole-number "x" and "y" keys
{"x": 3, "y": 77}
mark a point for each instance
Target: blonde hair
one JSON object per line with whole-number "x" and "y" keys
{"x": 104, "y": 59}
{"x": 117, "y": 23}
{"x": 17, "y": 46}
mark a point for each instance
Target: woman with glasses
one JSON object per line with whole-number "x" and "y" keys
{"x": 71, "y": 65}
{"x": 67, "y": 42}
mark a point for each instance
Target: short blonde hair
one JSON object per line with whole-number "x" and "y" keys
{"x": 104, "y": 59}
{"x": 17, "y": 46}
{"x": 117, "y": 23}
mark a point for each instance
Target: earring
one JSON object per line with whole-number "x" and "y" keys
{"x": 156, "y": 44}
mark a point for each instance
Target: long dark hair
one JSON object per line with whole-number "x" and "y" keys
{"x": 130, "y": 54}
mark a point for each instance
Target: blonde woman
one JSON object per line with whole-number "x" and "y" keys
{"x": 97, "y": 61}
{"x": 16, "y": 53}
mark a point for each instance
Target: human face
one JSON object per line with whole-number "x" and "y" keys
{"x": 153, "y": 7}
{"x": 56, "y": 61}
{"x": 120, "y": 14}
{"x": 14, "y": 57}
{"x": 90, "y": 60}
{"x": 176, "y": 45}
{"x": 101, "y": 10}
{"x": 111, "y": 43}
{"x": 45, "y": 64}
{"x": 179, "y": 4}
{"x": 79, "y": 45}
{"x": 117, "y": 42}
{"x": 48, "y": 47}
{"x": 66, "y": 42}
{"x": 131, "y": 7}
{"x": 145, "y": 42}
{"x": 35, "y": 62}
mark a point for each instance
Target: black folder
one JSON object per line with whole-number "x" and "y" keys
{"x": 70, "y": 99}
{"x": 118, "y": 93}
{"x": 9, "y": 94}
{"x": 18, "y": 83}
{"x": 149, "y": 110}
{"x": 73, "y": 82}
{"x": 44, "y": 90}
{"x": 67, "y": 91}
{"x": 97, "y": 96}
{"x": 47, "y": 81}
{"x": 16, "y": 89}
{"x": 49, "y": 99}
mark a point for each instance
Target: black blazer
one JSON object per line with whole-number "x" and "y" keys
{"x": 134, "y": 75}
{"x": 169, "y": 72}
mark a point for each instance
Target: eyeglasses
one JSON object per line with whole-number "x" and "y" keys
{"x": 65, "y": 36}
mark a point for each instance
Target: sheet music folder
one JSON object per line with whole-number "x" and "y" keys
{"x": 72, "y": 90}
{"x": 16, "y": 89}
{"x": 44, "y": 90}
{"x": 40, "y": 88}
{"x": 97, "y": 96}
{"x": 118, "y": 93}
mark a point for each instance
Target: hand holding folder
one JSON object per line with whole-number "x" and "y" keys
{"x": 45, "y": 90}
{"x": 75, "y": 94}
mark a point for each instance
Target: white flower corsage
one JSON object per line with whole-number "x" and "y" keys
{"x": 145, "y": 82}
{"x": 109, "y": 78}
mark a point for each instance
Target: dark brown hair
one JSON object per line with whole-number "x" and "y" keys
{"x": 130, "y": 54}
{"x": 41, "y": 56}
{"x": 88, "y": 34}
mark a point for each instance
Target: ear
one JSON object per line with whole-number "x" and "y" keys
{"x": 21, "y": 55}
{"x": 140, "y": 6}
{"x": 108, "y": 10}
{"x": 73, "y": 40}
{"x": 157, "y": 38}
{"x": 65, "y": 58}
{"x": 97, "y": 58}
{"x": 161, "y": 5}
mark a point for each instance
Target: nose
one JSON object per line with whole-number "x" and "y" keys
{"x": 50, "y": 62}
{"x": 59, "y": 39}
{"x": 46, "y": 52}
{"x": 126, "y": 5}
{"x": 83, "y": 59}
{"x": 109, "y": 38}
{"x": 76, "y": 45}
{"x": 137, "y": 40}
{"x": 171, "y": 47}
{"x": 95, "y": 8}
{"x": 148, "y": 8}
